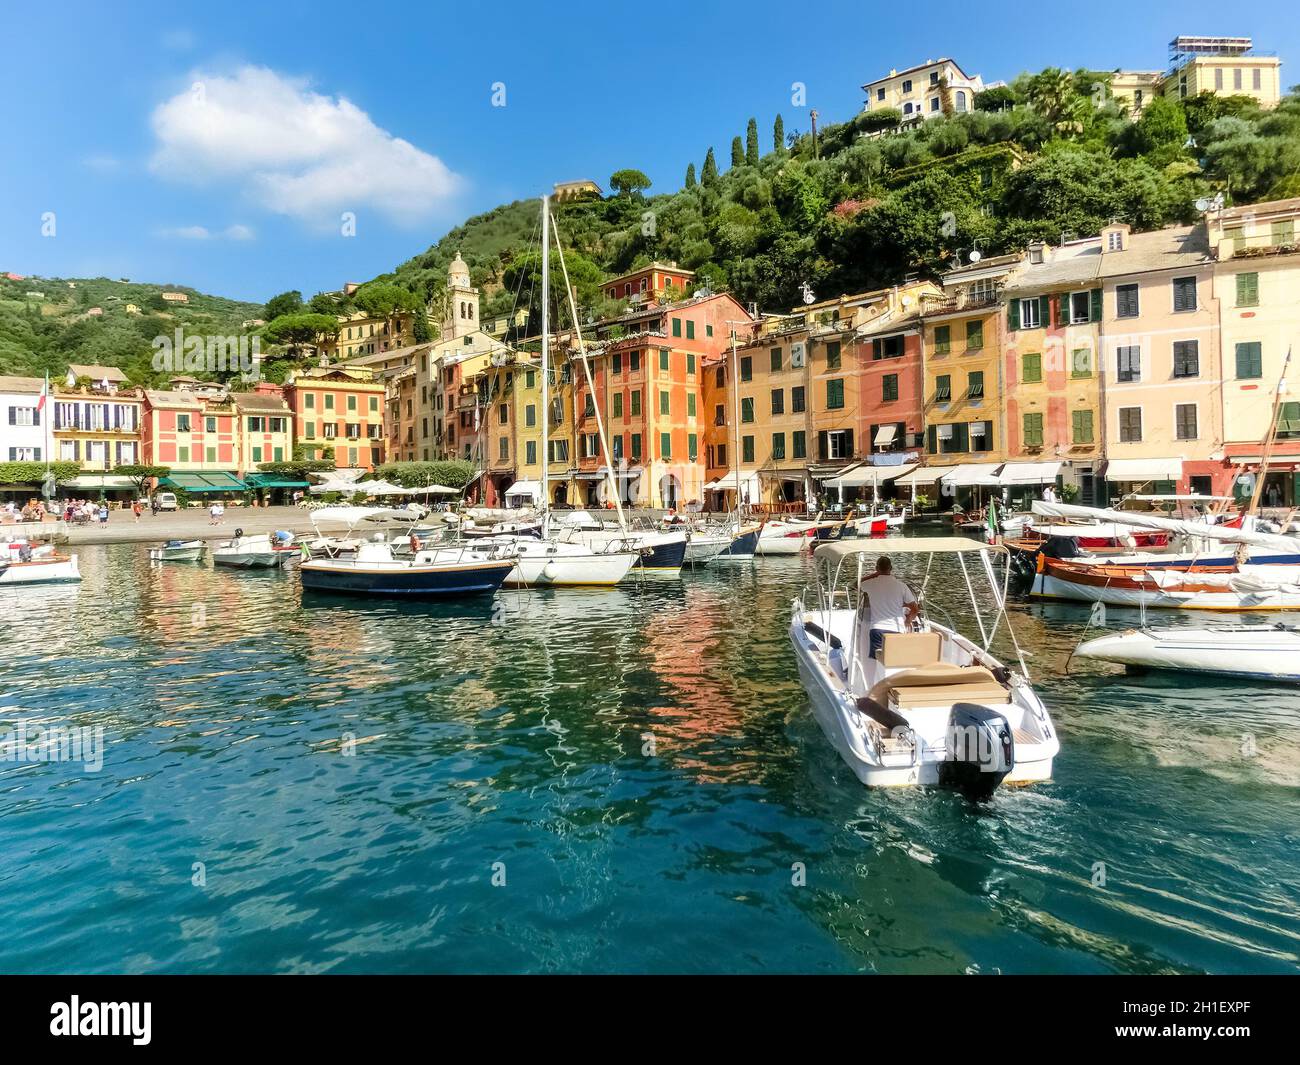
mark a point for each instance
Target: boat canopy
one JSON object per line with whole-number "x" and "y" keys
{"x": 911, "y": 545}
{"x": 350, "y": 516}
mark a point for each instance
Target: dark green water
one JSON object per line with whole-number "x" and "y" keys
{"x": 516, "y": 731}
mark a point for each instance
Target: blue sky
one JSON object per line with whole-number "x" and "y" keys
{"x": 219, "y": 146}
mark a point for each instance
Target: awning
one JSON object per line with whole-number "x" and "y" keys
{"x": 925, "y": 475}
{"x": 1029, "y": 473}
{"x": 857, "y": 477}
{"x": 889, "y": 473}
{"x": 727, "y": 482}
{"x": 205, "y": 482}
{"x": 1144, "y": 469}
{"x": 972, "y": 473}
{"x": 525, "y": 488}
{"x": 272, "y": 480}
{"x": 631, "y": 472}
{"x": 91, "y": 480}
{"x": 885, "y": 435}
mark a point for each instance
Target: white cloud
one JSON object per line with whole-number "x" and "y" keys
{"x": 188, "y": 233}
{"x": 294, "y": 151}
{"x": 238, "y": 231}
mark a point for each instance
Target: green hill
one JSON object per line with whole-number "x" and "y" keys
{"x": 43, "y": 333}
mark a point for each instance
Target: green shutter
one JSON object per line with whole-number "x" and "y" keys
{"x": 1013, "y": 315}
{"x": 932, "y": 440}
{"x": 1094, "y": 309}
{"x": 1044, "y": 310}
{"x": 961, "y": 436}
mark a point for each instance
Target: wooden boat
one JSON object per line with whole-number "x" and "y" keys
{"x": 49, "y": 568}
{"x": 1234, "y": 588}
{"x": 933, "y": 707}
{"x": 177, "y": 551}
{"x": 444, "y": 572}
{"x": 1264, "y": 652}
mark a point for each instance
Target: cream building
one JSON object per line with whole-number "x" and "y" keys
{"x": 935, "y": 87}
{"x": 1225, "y": 66}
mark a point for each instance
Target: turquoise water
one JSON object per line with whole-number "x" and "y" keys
{"x": 639, "y": 768}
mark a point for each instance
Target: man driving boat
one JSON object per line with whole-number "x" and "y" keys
{"x": 891, "y": 605}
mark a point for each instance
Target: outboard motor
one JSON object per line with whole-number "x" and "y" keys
{"x": 980, "y": 751}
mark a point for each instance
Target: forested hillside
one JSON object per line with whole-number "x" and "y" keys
{"x": 1051, "y": 155}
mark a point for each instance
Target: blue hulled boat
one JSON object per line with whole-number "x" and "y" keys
{"x": 440, "y": 573}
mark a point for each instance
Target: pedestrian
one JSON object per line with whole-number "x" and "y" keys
{"x": 212, "y": 514}
{"x": 103, "y": 513}
{"x": 136, "y": 508}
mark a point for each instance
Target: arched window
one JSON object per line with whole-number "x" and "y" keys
{"x": 961, "y": 101}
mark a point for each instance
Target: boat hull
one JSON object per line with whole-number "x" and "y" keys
{"x": 741, "y": 548}
{"x": 405, "y": 581}
{"x": 41, "y": 571}
{"x": 1115, "y": 586}
{"x": 1259, "y": 652}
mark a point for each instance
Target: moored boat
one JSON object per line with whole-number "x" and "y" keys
{"x": 443, "y": 572}
{"x": 177, "y": 551}
{"x": 1236, "y": 588}
{"x": 259, "y": 551}
{"x": 49, "y": 568}
{"x": 1264, "y": 652}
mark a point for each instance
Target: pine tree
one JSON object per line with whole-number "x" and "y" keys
{"x": 690, "y": 175}
{"x": 751, "y": 143}
{"x": 737, "y": 153}
{"x": 709, "y": 175}
{"x": 778, "y": 135}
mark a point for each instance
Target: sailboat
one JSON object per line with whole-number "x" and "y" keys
{"x": 549, "y": 560}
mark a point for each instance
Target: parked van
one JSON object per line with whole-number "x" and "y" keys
{"x": 166, "y": 500}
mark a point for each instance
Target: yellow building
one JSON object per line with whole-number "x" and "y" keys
{"x": 1256, "y": 279}
{"x": 1225, "y": 66}
{"x": 97, "y": 422}
{"x": 963, "y": 371}
{"x": 264, "y": 427}
{"x": 935, "y": 87}
{"x": 1134, "y": 89}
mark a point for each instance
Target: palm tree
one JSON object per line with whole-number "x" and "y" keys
{"x": 1053, "y": 95}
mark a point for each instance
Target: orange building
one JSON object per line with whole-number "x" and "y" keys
{"x": 339, "y": 411}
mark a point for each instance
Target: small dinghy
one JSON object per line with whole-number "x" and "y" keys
{"x": 177, "y": 551}
{"x": 1265, "y": 652}
{"x": 260, "y": 551}
{"x": 30, "y": 568}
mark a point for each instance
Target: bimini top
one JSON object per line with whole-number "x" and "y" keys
{"x": 905, "y": 545}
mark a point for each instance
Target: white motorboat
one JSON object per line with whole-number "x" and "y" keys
{"x": 782, "y": 536}
{"x": 444, "y": 572}
{"x": 33, "y": 568}
{"x": 550, "y": 563}
{"x": 662, "y": 553}
{"x": 177, "y": 551}
{"x": 744, "y": 542}
{"x": 934, "y": 707}
{"x": 259, "y": 551}
{"x": 1266, "y": 652}
{"x": 704, "y": 545}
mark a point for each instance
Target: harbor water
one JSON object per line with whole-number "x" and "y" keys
{"x": 605, "y": 780}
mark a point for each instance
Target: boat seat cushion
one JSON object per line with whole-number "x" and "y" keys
{"x": 879, "y": 712}
{"x": 986, "y": 694}
{"x": 905, "y": 649}
{"x": 899, "y": 688}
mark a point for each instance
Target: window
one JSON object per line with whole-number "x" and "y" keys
{"x": 796, "y": 356}
{"x": 615, "y": 366}
{"x": 943, "y": 388}
{"x": 1248, "y": 290}
{"x": 1130, "y": 425}
{"x": 934, "y": 77}
{"x": 719, "y": 415}
{"x": 1033, "y": 430}
{"x": 981, "y": 436}
{"x": 942, "y": 339}
{"x": 888, "y": 388}
{"x": 636, "y": 446}
{"x": 1256, "y": 79}
{"x": 692, "y": 447}
{"x": 1126, "y": 301}
{"x": 708, "y": 330}
{"x": 1115, "y": 241}
{"x": 747, "y": 368}
{"x": 588, "y": 406}
{"x": 833, "y": 355}
{"x": 1185, "y": 421}
{"x": 677, "y": 327}
{"x": 1288, "y": 422}
{"x": 503, "y": 413}
{"x": 690, "y": 404}
{"x": 798, "y": 445}
{"x": 1128, "y": 363}
{"x": 308, "y": 401}
{"x": 665, "y": 445}
{"x": 975, "y": 384}
{"x": 778, "y": 401}
{"x": 503, "y": 450}
{"x": 1236, "y": 77}
{"x": 835, "y": 393}
{"x": 636, "y": 403}
{"x": 1250, "y": 360}
{"x": 530, "y": 453}
{"x": 797, "y": 400}
{"x": 776, "y": 359}
{"x": 1282, "y": 232}
{"x": 1184, "y": 294}
{"x": 778, "y": 446}
{"x": 690, "y": 329}
{"x": 690, "y": 364}
{"x": 747, "y": 449}
{"x": 618, "y": 405}
{"x": 934, "y": 103}
{"x": 663, "y": 359}
{"x": 839, "y": 444}
{"x": 1081, "y": 362}
{"x": 1031, "y": 368}
{"x": 183, "y": 423}
{"x": 23, "y": 416}
{"x": 329, "y": 400}
{"x": 1081, "y": 426}
{"x": 665, "y": 403}
{"x": 974, "y": 336}
{"x": 746, "y": 409}
{"x": 880, "y": 94}
{"x": 634, "y": 362}
{"x": 887, "y": 347}
{"x": 720, "y": 453}
{"x": 1187, "y": 358}
{"x": 720, "y": 377}
{"x": 1029, "y": 314}
{"x": 352, "y": 402}
{"x": 1079, "y": 308}
{"x": 907, "y": 85}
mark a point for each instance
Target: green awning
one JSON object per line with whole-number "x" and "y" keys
{"x": 205, "y": 482}
{"x": 272, "y": 480}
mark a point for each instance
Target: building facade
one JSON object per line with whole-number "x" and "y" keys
{"x": 24, "y": 421}
{"x": 928, "y": 90}
{"x": 339, "y": 411}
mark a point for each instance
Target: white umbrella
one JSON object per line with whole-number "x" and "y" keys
{"x": 379, "y": 488}
{"x": 333, "y": 485}
{"x": 431, "y": 489}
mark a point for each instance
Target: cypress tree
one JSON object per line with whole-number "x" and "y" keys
{"x": 709, "y": 175}
{"x": 737, "y": 153}
{"x": 690, "y": 175}
{"x": 751, "y": 143}
{"x": 778, "y": 134}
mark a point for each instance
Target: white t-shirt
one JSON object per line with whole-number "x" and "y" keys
{"x": 889, "y": 598}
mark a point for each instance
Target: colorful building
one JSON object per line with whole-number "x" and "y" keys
{"x": 264, "y": 425}
{"x": 649, "y": 282}
{"x": 1162, "y": 385}
{"x": 928, "y": 90}
{"x": 97, "y": 421}
{"x": 339, "y": 411}
{"x": 1225, "y": 66}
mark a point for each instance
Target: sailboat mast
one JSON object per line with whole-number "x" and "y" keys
{"x": 1271, "y": 437}
{"x": 546, "y": 360}
{"x": 735, "y": 418}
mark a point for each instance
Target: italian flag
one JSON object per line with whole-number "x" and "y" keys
{"x": 45, "y": 392}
